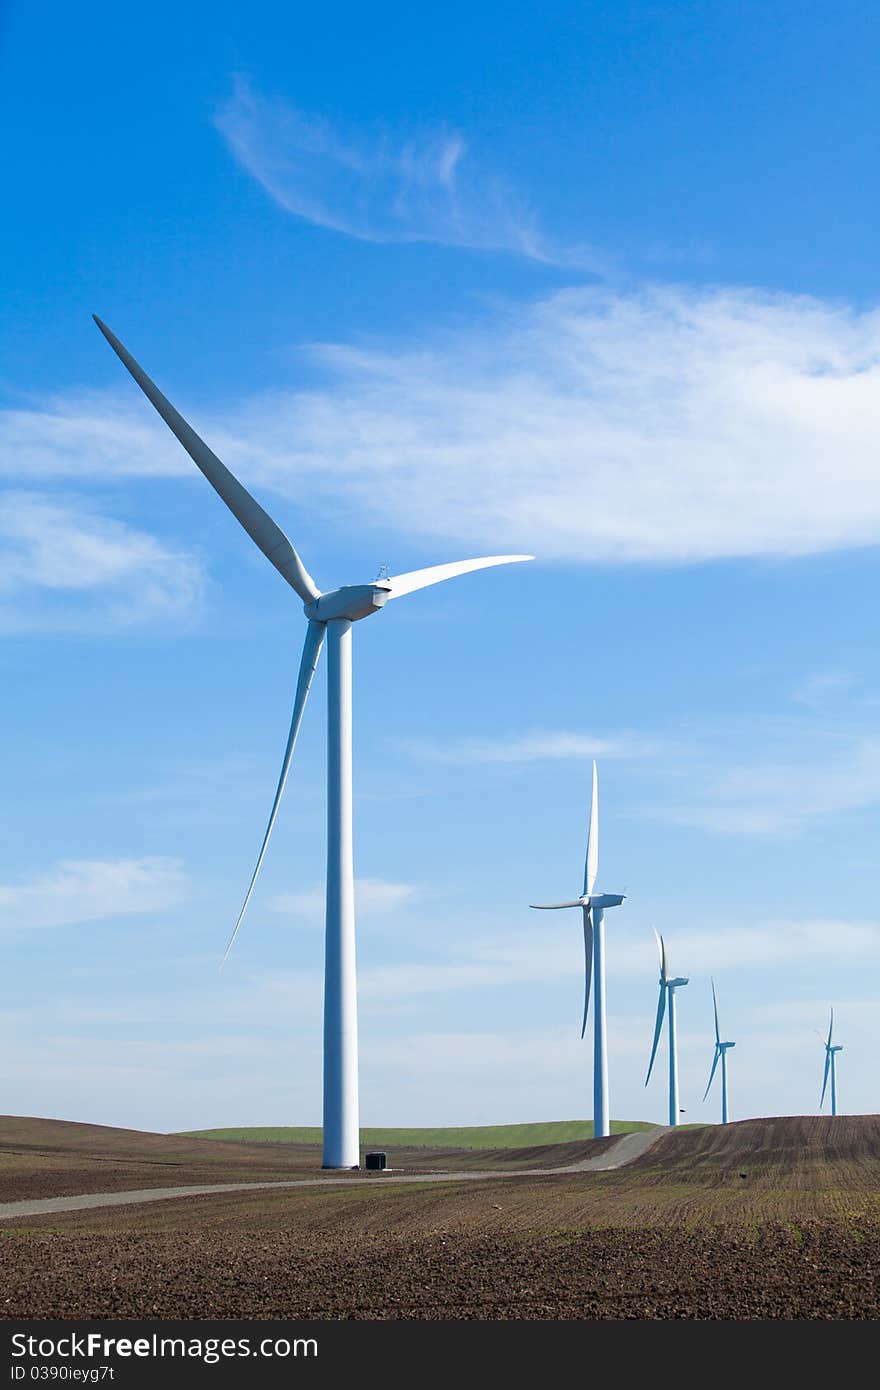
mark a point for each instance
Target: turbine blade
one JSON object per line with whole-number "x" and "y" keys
{"x": 435, "y": 574}
{"x": 591, "y": 866}
{"x": 825, "y": 1078}
{"x": 551, "y": 907}
{"x": 588, "y": 964}
{"x": 661, "y": 1009}
{"x": 830, "y": 1027}
{"x": 712, "y": 1072}
{"x": 309, "y": 661}
{"x": 715, "y": 1002}
{"x": 262, "y": 530}
{"x": 661, "y": 948}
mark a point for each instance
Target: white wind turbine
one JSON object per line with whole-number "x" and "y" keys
{"x": 830, "y": 1068}
{"x": 593, "y": 906}
{"x": 331, "y": 614}
{"x": 668, "y": 986}
{"x": 721, "y": 1051}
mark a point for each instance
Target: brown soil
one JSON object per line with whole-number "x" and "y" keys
{"x": 54, "y": 1158}
{"x": 763, "y": 1219}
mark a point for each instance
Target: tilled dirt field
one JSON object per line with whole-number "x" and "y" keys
{"x": 764, "y": 1219}
{"x": 819, "y": 1270}
{"x": 52, "y": 1158}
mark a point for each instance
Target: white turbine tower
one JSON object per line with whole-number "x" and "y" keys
{"x": 721, "y": 1051}
{"x": 668, "y": 985}
{"x": 593, "y": 905}
{"x": 830, "y": 1068}
{"x": 330, "y": 614}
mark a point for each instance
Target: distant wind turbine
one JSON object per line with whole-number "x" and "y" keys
{"x": 593, "y": 905}
{"x": 329, "y": 614}
{"x": 830, "y": 1068}
{"x": 668, "y": 986}
{"x": 721, "y": 1050}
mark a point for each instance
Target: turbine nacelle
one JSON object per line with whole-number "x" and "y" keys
{"x": 352, "y": 601}
{"x": 673, "y": 984}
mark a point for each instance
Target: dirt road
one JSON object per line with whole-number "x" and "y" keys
{"x": 623, "y": 1149}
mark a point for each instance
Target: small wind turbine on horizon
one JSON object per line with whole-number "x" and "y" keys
{"x": 330, "y": 614}
{"x": 721, "y": 1051}
{"x": 668, "y": 986}
{"x": 830, "y": 1067}
{"x": 593, "y": 906}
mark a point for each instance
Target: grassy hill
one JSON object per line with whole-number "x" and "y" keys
{"x": 467, "y": 1137}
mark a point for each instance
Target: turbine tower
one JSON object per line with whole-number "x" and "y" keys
{"x": 721, "y": 1050}
{"x": 329, "y": 615}
{"x": 668, "y": 986}
{"x": 830, "y": 1068}
{"x": 593, "y": 906}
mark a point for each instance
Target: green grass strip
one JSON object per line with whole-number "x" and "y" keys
{"x": 466, "y": 1137}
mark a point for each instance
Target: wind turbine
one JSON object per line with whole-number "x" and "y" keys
{"x": 830, "y": 1067}
{"x": 668, "y": 986}
{"x": 329, "y": 614}
{"x": 721, "y": 1050}
{"x": 593, "y": 905}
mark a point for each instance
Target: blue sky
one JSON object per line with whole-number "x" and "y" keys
{"x": 593, "y": 281}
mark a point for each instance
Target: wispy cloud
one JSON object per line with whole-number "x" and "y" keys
{"x": 821, "y": 689}
{"x": 87, "y": 434}
{"x": 421, "y": 187}
{"x": 375, "y": 897}
{"x": 87, "y": 890}
{"x": 776, "y": 796}
{"x": 595, "y": 426}
{"x": 535, "y": 747}
{"x": 64, "y": 567}
{"x": 774, "y": 941}
{"x": 555, "y": 953}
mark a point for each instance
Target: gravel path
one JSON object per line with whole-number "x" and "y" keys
{"x": 625, "y": 1148}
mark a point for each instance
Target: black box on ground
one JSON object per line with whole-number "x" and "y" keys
{"x": 377, "y": 1160}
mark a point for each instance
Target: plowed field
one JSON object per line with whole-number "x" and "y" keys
{"x": 762, "y": 1219}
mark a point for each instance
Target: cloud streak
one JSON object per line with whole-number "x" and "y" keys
{"x": 423, "y": 187}
{"x": 555, "y": 954}
{"x": 89, "y": 890}
{"x": 374, "y": 897}
{"x": 536, "y": 747}
{"x": 777, "y": 796}
{"x": 663, "y": 425}
{"x": 66, "y": 568}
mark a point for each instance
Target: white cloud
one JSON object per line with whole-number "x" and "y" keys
{"x": 88, "y": 433}
{"x": 88, "y": 890}
{"x": 738, "y": 947}
{"x": 556, "y": 953}
{"x": 534, "y": 747}
{"x": 827, "y": 776}
{"x": 661, "y": 425}
{"x": 423, "y": 187}
{"x": 64, "y": 567}
{"x": 374, "y": 897}
{"x": 821, "y": 689}
{"x": 594, "y": 426}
